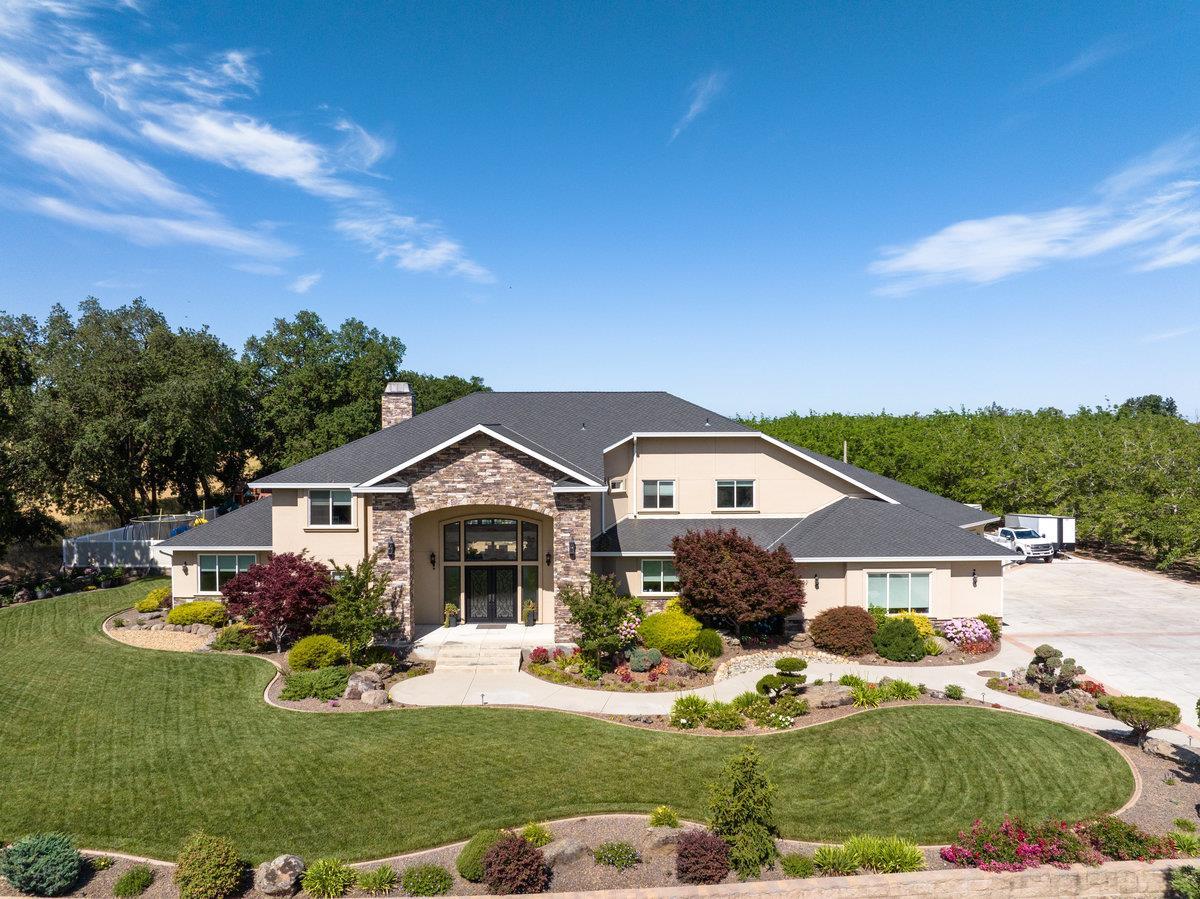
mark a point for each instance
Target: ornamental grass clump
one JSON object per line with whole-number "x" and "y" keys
{"x": 328, "y": 878}
{"x": 885, "y": 855}
{"x": 689, "y": 711}
{"x": 382, "y": 880}
{"x": 797, "y": 864}
{"x": 133, "y": 882}
{"x": 723, "y": 716}
{"x": 701, "y": 857}
{"x": 834, "y": 861}
{"x": 741, "y": 806}
{"x": 44, "y": 864}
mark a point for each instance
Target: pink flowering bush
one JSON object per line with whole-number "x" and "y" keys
{"x": 960, "y": 631}
{"x": 540, "y": 656}
{"x": 627, "y": 630}
{"x": 1015, "y": 845}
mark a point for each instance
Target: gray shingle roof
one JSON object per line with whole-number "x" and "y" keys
{"x": 947, "y": 510}
{"x": 851, "y": 528}
{"x": 572, "y": 428}
{"x": 242, "y": 528}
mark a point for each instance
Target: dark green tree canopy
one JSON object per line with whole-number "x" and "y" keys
{"x": 1150, "y": 404}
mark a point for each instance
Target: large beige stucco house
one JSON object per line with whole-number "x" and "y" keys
{"x": 498, "y": 500}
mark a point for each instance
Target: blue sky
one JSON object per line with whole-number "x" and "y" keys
{"x": 760, "y": 207}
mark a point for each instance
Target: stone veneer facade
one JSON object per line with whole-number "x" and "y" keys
{"x": 483, "y": 471}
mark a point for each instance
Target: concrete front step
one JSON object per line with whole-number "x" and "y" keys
{"x": 478, "y": 658}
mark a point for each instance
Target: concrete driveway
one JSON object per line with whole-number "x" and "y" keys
{"x": 1135, "y": 631}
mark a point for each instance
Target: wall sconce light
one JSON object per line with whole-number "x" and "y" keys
{"x": 391, "y": 549}
{"x": 974, "y": 578}
{"x": 549, "y": 557}
{"x": 185, "y": 567}
{"x": 816, "y": 582}
{"x": 433, "y": 560}
{"x": 571, "y": 547}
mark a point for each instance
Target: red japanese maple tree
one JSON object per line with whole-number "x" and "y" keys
{"x": 727, "y": 576}
{"x": 279, "y": 598}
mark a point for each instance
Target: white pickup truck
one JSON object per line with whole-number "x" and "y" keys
{"x": 1028, "y": 542}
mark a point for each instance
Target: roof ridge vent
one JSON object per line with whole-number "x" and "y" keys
{"x": 583, "y": 426}
{"x": 706, "y": 421}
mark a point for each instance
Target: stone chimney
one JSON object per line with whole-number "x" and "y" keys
{"x": 397, "y": 403}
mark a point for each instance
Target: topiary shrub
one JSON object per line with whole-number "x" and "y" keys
{"x": 701, "y": 857}
{"x": 236, "y": 637}
{"x": 133, "y": 882}
{"x": 797, "y": 864}
{"x": 44, "y": 864}
{"x": 1143, "y": 713}
{"x": 673, "y": 632}
{"x": 741, "y": 806}
{"x": 709, "y": 642}
{"x": 898, "y": 639}
{"x": 382, "y": 880}
{"x": 617, "y": 854}
{"x": 664, "y": 816}
{"x": 156, "y": 599}
{"x": 328, "y": 878}
{"x": 511, "y": 866}
{"x": 470, "y": 858}
{"x": 790, "y": 666}
{"x": 317, "y": 651}
{"x": 844, "y": 630}
{"x": 427, "y": 880}
{"x": 323, "y": 683}
{"x": 202, "y": 611}
{"x": 993, "y": 624}
{"x": 208, "y": 867}
{"x": 643, "y": 659}
{"x": 1050, "y": 671}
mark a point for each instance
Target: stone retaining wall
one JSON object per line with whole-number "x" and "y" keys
{"x": 1123, "y": 879}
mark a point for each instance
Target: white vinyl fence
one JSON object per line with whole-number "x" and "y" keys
{"x": 133, "y": 546}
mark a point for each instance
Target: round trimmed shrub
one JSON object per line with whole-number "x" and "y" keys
{"x": 317, "y": 651}
{"x": 44, "y": 864}
{"x": 899, "y": 640}
{"x": 202, "y": 611}
{"x": 672, "y": 632}
{"x": 470, "y": 858}
{"x": 790, "y": 665}
{"x": 843, "y": 630}
{"x": 709, "y": 642}
{"x": 427, "y": 880}
{"x": 511, "y": 865}
{"x": 328, "y": 878}
{"x": 1143, "y": 713}
{"x": 154, "y": 600}
{"x": 701, "y": 857}
{"x": 133, "y": 882}
{"x": 208, "y": 867}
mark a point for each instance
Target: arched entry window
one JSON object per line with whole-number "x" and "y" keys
{"x": 490, "y": 567}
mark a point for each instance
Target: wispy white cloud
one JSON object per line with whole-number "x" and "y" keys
{"x": 305, "y": 283}
{"x": 1087, "y": 59}
{"x": 1168, "y": 335}
{"x": 63, "y": 86}
{"x": 701, "y": 94}
{"x": 1150, "y": 209}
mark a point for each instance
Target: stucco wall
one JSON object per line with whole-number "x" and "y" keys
{"x": 784, "y": 484}
{"x": 290, "y": 532}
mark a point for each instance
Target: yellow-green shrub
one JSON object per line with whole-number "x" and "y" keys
{"x": 671, "y": 631}
{"x": 154, "y": 600}
{"x": 202, "y": 611}
{"x": 317, "y": 651}
{"x": 922, "y": 623}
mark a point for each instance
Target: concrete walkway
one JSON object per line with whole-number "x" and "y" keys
{"x": 517, "y": 688}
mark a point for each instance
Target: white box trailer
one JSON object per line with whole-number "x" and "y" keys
{"x": 1058, "y": 529}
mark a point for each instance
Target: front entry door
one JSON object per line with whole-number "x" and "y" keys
{"x": 491, "y": 593}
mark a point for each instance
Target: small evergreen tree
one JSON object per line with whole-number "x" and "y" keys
{"x": 598, "y": 612}
{"x": 741, "y": 807}
{"x": 357, "y": 608}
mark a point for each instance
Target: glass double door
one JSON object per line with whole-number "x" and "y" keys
{"x": 491, "y": 593}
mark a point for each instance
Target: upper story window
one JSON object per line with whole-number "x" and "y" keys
{"x": 330, "y": 508}
{"x": 735, "y": 494}
{"x": 658, "y": 494}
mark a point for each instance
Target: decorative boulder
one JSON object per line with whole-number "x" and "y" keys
{"x": 383, "y": 669}
{"x": 828, "y": 696}
{"x": 802, "y": 642}
{"x": 1160, "y": 748}
{"x": 947, "y": 645}
{"x": 203, "y": 630}
{"x": 375, "y": 698}
{"x": 562, "y": 851}
{"x": 662, "y": 836}
{"x": 1077, "y": 697}
{"x": 280, "y": 877}
{"x": 676, "y": 668}
{"x": 360, "y": 682}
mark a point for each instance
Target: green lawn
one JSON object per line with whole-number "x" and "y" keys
{"x": 131, "y": 750}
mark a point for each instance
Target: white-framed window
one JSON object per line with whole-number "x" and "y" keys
{"x": 899, "y": 591}
{"x": 658, "y": 576}
{"x": 218, "y": 569}
{"x": 735, "y": 494}
{"x": 658, "y": 494}
{"x": 617, "y": 485}
{"x": 330, "y": 509}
